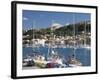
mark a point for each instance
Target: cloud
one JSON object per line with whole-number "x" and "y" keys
{"x": 56, "y": 24}
{"x": 25, "y": 18}
{"x": 67, "y": 24}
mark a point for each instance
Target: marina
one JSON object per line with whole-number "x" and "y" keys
{"x": 57, "y": 46}
{"x": 82, "y": 54}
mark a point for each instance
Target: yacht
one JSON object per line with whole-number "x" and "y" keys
{"x": 73, "y": 61}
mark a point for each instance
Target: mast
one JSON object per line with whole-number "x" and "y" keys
{"x": 74, "y": 56}
{"x": 85, "y": 35}
{"x": 49, "y": 45}
{"x": 33, "y": 28}
{"x": 33, "y": 25}
{"x": 52, "y": 35}
{"x": 48, "y": 51}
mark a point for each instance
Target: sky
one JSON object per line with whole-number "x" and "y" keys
{"x": 44, "y": 19}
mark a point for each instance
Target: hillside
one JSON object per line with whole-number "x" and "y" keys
{"x": 62, "y": 31}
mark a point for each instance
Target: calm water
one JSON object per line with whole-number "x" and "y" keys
{"x": 82, "y": 54}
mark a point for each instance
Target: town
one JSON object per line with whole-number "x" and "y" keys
{"x": 61, "y": 36}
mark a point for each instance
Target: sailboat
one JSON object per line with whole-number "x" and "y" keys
{"x": 54, "y": 59}
{"x": 73, "y": 62}
{"x": 37, "y": 57}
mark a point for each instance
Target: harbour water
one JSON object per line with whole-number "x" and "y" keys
{"x": 82, "y": 54}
